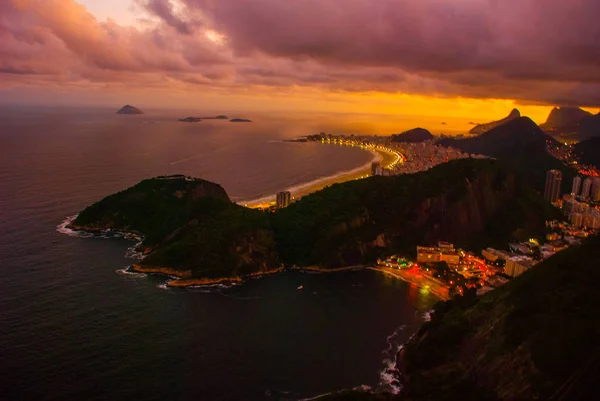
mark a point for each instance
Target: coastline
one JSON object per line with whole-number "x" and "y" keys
{"x": 316, "y": 269}
{"x": 439, "y": 290}
{"x": 183, "y": 279}
{"x": 307, "y": 188}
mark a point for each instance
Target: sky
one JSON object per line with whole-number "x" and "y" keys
{"x": 447, "y": 58}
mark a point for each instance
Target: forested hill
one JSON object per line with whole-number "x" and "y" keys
{"x": 522, "y": 145}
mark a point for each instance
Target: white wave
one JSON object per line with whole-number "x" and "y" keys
{"x": 163, "y": 286}
{"x": 389, "y": 375}
{"x": 126, "y": 272}
{"x": 63, "y": 229}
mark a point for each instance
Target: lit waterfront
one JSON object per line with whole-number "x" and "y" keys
{"x": 388, "y": 158}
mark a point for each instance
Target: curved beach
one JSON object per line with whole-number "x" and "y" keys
{"x": 304, "y": 189}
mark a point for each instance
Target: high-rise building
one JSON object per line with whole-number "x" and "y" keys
{"x": 576, "y": 186}
{"x": 284, "y": 198}
{"x": 376, "y": 168}
{"x": 552, "y": 190}
{"x": 577, "y": 219}
{"x": 595, "y": 195}
{"x": 586, "y": 188}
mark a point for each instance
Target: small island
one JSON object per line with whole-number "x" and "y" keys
{"x": 128, "y": 109}
{"x": 190, "y": 120}
{"x": 240, "y": 120}
{"x": 220, "y": 117}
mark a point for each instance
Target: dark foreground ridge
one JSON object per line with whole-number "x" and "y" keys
{"x": 588, "y": 151}
{"x": 521, "y": 145}
{"x": 193, "y": 231}
{"x": 535, "y": 338}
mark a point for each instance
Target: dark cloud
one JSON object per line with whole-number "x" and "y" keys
{"x": 536, "y": 51}
{"x": 164, "y": 10}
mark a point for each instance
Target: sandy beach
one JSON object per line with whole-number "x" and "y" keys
{"x": 300, "y": 190}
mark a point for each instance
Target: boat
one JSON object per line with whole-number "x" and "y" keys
{"x": 301, "y": 287}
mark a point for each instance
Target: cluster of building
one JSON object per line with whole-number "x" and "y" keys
{"x": 444, "y": 252}
{"x": 581, "y": 205}
{"x": 422, "y": 156}
{"x": 495, "y": 266}
{"x": 419, "y": 156}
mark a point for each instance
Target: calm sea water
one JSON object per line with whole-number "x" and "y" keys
{"x": 72, "y": 328}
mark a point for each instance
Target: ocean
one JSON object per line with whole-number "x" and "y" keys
{"x": 72, "y": 327}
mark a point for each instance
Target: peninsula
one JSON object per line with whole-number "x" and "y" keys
{"x": 199, "y": 236}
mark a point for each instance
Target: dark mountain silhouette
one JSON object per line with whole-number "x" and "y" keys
{"x": 473, "y": 345}
{"x": 483, "y": 128}
{"x": 564, "y": 117}
{"x": 413, "y": 135}
{"x": 589, "y": 151}
{"x": 589, "y": 127}
{"x": 127, "y": 109}
{"x": 572, "y": 123}
{"x": 522, "y": 145}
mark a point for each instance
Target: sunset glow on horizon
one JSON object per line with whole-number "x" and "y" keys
{"x": 461, "y": 59}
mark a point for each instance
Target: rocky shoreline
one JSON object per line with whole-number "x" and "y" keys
{"x": 183, "y": 279}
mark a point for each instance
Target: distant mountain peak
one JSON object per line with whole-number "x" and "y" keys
{"x": 483, "y": 128}
{"x": 129, "y": 109}
{"x": 561, "y": 117}
{"x": 413, "y": 135}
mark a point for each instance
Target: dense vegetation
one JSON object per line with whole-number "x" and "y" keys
{"x": 190, "y": 225}
{"x": 221, "y": 240}
{"x": 154, "y": 207}
{"x": 534, "y": 338}
{"x": 413, "y": 135}
{"x": 473, "y": 203}
{"x": 522, "y": 145}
